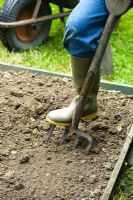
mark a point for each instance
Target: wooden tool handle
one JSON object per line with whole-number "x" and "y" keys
{"x": 90, "y": 77}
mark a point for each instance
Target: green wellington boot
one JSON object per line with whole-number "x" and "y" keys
{"x": 63, "y": 117}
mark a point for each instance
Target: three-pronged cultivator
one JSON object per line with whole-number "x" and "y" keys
{"x": 116, "y": 8}
{"x": 78, "y": 133}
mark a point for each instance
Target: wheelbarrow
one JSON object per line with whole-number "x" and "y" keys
{"x": 34, "y": 32}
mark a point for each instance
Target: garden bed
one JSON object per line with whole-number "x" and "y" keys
{"x": 31, "y": 169}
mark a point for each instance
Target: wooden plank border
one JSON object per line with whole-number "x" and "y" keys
{"x": 111, "y": 183}
{"x": 126, "y": 89}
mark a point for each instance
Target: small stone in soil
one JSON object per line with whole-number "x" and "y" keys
{"x": 107, "y": 176}
{"x": 13, "y": 152}
{"x": 27, "y": 138}
{"x": 5, "y": 153}
{"x": 108, "y": 167}
{"x": 19, "y": 186}
{"x": 49, "y": 158}
{"x": 1, "y": 158}
{"x": 17, "y": 93}
{"x": 9, "y": 175}
{"x": 81, "y": 178}
{"x": 25, "y": 159}
{"x": 68, "y": 162}
{"x": 93, "y": 179}
{"x": 95, "y": 150}
{"x": 83, "y": 161}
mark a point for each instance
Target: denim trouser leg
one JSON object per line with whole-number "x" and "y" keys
{"x": 84, "y": 28}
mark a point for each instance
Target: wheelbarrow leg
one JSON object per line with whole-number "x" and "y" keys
{"x": 61, "y": 10}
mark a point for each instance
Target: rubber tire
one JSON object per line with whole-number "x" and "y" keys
{"x": 2, "y": 19}
{"x": 9, "y": 13}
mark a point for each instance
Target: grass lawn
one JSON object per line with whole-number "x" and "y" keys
{"x": 124, "y": 190}
{"x": 53, "y": 57}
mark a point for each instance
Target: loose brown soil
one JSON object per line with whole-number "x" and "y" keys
{"x": 32, "y": 170}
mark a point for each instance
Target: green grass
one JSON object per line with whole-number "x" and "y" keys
{"x": 122, "y": 48}
{"x": 53, "y": 57}
{"x": 1, "y": 3}
{"x": 124, "y": 191}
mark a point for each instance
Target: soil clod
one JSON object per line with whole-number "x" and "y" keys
{"x": 25, "y": 159}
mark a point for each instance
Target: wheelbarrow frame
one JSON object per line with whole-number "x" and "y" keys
{"x": 36, "y": 19}
{"x": 23, "y": 19}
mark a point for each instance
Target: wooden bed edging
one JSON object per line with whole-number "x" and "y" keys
{"x": 126, "y": 89}
{"x": 118, "y": 166}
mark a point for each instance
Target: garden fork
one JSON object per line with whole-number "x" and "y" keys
{"x": 116, "y": 9}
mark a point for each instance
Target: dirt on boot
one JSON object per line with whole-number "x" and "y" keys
{"x": 32, "y": 170}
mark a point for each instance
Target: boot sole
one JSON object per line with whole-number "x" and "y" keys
{"x": 87, "y": 117}
{"x": 57, "y": 123}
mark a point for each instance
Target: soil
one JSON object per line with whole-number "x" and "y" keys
{"x": 32, "y": 170}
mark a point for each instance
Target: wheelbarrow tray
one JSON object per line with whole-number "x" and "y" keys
{"x": 64, "y": 3}
{"x": 126, "y": 145}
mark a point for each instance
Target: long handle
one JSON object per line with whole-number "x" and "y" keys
{"x": 8, "y": 25}
{"x": 90, "y": 77}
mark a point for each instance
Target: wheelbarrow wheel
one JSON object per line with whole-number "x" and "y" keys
{"x": 24, "y": 37}
{"x": 2, "y": 19}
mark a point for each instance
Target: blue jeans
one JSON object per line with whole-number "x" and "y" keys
{"x": 84, "y": 28}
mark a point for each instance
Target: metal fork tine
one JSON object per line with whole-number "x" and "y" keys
{"x": 63, "y": 139}
{"x": 76, "y": 141}
{"x": 89, "y": 145}
{"x": 52, "y": 127}
{"x": 79, "y": 134}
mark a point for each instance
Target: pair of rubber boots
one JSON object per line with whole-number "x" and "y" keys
{"x": 63, "y": 117}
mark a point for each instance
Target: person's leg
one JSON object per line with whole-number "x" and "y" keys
{"x": 82, "y": 34}
{"x": 84, "y": 28}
